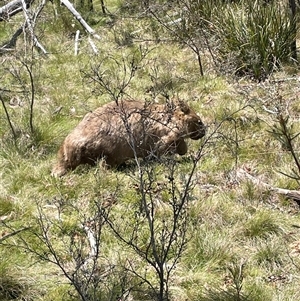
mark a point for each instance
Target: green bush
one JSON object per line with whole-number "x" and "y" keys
{"x": 255, "y": 38}
{"x": 245, "y": 37}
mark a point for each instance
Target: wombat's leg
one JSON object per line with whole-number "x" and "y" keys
{"x": 58, "y": 171}
{"x": 181, "y": 147}
{"x": 168, "y": 144}
{"x": 60, "y": 168}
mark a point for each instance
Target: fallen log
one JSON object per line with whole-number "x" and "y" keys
{"x": 288, "y": 193}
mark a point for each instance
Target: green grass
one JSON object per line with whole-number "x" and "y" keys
{"x": 231, "y": 221}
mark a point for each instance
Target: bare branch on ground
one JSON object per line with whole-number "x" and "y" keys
{"x": 288, "y": 193}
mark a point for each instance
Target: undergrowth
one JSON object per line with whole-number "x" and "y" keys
{"x": 234, "y": 237}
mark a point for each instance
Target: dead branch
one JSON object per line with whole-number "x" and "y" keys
{"x": 291, "y": 194}
{"x": 76, "y": 42}
{"x": 12, "y": 8}
{"x": 17, "y": 6}
{"x": 93, "y": 46}
{"x": 8, "y": 119}
{"x": 77, "y": 15}
{"x": 92, "y": 240}
{"x": 30, "y": 26}
{"x": 6, "y": 236}
{"x": 11, "y": 44}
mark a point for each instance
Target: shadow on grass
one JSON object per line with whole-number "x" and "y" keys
{"x": 131, "y": 165}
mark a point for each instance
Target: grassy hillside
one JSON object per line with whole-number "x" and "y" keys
{"x": 203, "y": 226}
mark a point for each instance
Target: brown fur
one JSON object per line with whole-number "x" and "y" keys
{"x": 129, "y": 129}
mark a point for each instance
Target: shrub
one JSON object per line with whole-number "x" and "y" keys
{"x": 255, "y": 38}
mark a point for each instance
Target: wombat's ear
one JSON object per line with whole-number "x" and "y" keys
{"x": 184, "y": 107}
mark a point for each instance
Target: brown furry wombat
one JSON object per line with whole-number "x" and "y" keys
{"x": 120, "y": 131}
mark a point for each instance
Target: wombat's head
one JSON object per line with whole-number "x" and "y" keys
{"x": 194, "y": 125}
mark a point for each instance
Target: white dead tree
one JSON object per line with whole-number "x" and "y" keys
{"x": 16, "y": 6}
{"x": 12, "y": 8}
{"x": 30, "y": 24}
{"x": 76, "y": 42}
{"x": 79, "y": 18}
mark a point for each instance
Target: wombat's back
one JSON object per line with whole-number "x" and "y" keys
{"x": 105, "y": 132}
{"x": 128, "y": 129}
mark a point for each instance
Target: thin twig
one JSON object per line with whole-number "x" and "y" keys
{"x": 4, "y": 237}
{"x": 8, "y": 119}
